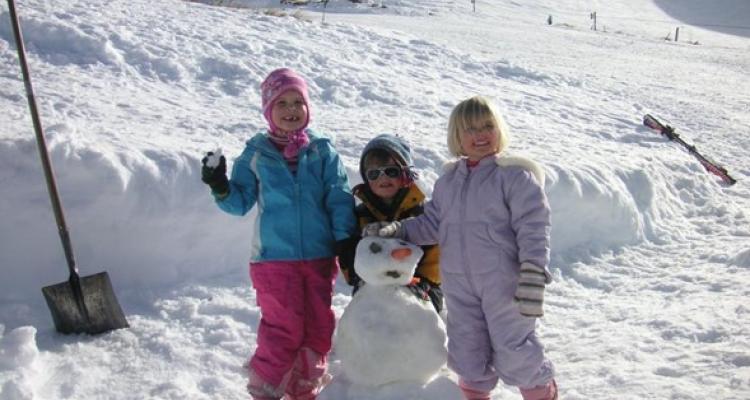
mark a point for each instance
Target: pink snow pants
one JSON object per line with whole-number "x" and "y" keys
{"x": 297, "y": 320}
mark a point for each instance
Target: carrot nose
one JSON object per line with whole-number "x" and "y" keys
{"x": 400, "y": 254}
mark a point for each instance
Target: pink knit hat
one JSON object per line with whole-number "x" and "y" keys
{"x": 278, "y": 82}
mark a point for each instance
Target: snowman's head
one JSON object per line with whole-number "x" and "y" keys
{"x": 386, "y": 261}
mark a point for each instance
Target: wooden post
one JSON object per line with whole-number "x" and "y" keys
{"x": 593, "y": 17}
{"x": 677, "y": 34}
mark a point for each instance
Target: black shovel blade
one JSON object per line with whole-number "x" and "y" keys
{"x": 100, "y": 312}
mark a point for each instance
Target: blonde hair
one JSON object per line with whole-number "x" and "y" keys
{"x": 470, "y": 111}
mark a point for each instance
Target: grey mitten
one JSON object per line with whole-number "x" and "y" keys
{"x": 395, "y": 230}
{"x": 372, "y": 228}
{"x": 530, "y": 291}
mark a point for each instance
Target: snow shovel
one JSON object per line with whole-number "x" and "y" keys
{"x": 80, "y": 305}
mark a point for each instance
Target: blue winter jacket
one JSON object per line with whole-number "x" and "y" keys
{"x": 300, "y": 217}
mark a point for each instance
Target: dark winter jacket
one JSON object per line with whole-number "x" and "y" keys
{"x": 408, "y": 203}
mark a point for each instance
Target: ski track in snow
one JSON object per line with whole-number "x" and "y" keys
{"x": 651, "y": 255}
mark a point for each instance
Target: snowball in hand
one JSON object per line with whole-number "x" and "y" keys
{"x": 213, "y": 159}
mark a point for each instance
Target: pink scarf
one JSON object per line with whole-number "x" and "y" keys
{"x": 291, "y": 143}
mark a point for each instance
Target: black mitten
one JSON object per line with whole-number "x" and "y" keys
{"x": 420, "y": 289}
{"x": 424, "y": 290}
{"x": 356, "y": 283}
{"x": 214, "y": 174}
{"x": 345, "y": 250}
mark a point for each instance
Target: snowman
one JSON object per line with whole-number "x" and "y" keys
{"x": 387, "y": 337}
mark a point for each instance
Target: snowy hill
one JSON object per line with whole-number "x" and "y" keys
{"x": 650, "y": 252}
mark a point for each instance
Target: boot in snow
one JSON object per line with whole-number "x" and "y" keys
{"x": 473, "y": 394}
{"x": 262, "y": 390}
{"x": 544, "y": 392}
{"x": 308, "y": 377}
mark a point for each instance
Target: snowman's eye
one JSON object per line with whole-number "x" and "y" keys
{"x": 375, "y": 248}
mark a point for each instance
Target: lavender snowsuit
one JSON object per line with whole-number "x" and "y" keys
{"x": 488, "y": 221}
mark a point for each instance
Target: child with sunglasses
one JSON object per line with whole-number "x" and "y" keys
{"x": 304, "y": 207}
{"x": 390, "y": 194}
{"x": 490, "y": 215}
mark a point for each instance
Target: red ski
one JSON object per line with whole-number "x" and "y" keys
{"x": 669, "y": 132}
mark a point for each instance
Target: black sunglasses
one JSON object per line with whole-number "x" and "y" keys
{"x": 391, "y": 172}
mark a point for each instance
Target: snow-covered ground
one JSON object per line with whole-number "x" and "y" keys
{"x": 651, "y": 253}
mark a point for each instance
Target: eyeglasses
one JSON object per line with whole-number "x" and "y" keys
{"x": 471, "y": 130}
{"x": 391, "y": 172}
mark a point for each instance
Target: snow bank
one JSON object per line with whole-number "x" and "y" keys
{"x": 146, "y": 223}
{"x": 591, "y": 212}
{"x": 148, "y": 220}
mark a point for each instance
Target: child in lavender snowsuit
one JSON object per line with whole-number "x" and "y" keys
{"x": 491, "y": 218}
{"x": 305, "y": 206}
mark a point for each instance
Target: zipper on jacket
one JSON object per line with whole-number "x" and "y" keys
{"x": 294, "y": 178}
{"x": 462, "y": 221}
{"x": 301, "y": 158}
{"x": 297, "y": 192}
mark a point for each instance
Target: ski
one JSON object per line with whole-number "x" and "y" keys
{"x": 670, "y": 133}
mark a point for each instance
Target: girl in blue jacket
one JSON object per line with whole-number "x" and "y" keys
{"x": 305, "y": 206}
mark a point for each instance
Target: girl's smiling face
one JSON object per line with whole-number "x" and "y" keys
{"x": 289, "y": 112}
{"x": 479, "y": 139}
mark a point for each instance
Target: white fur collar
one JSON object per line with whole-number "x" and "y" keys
{"x": 508, "y": 161}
